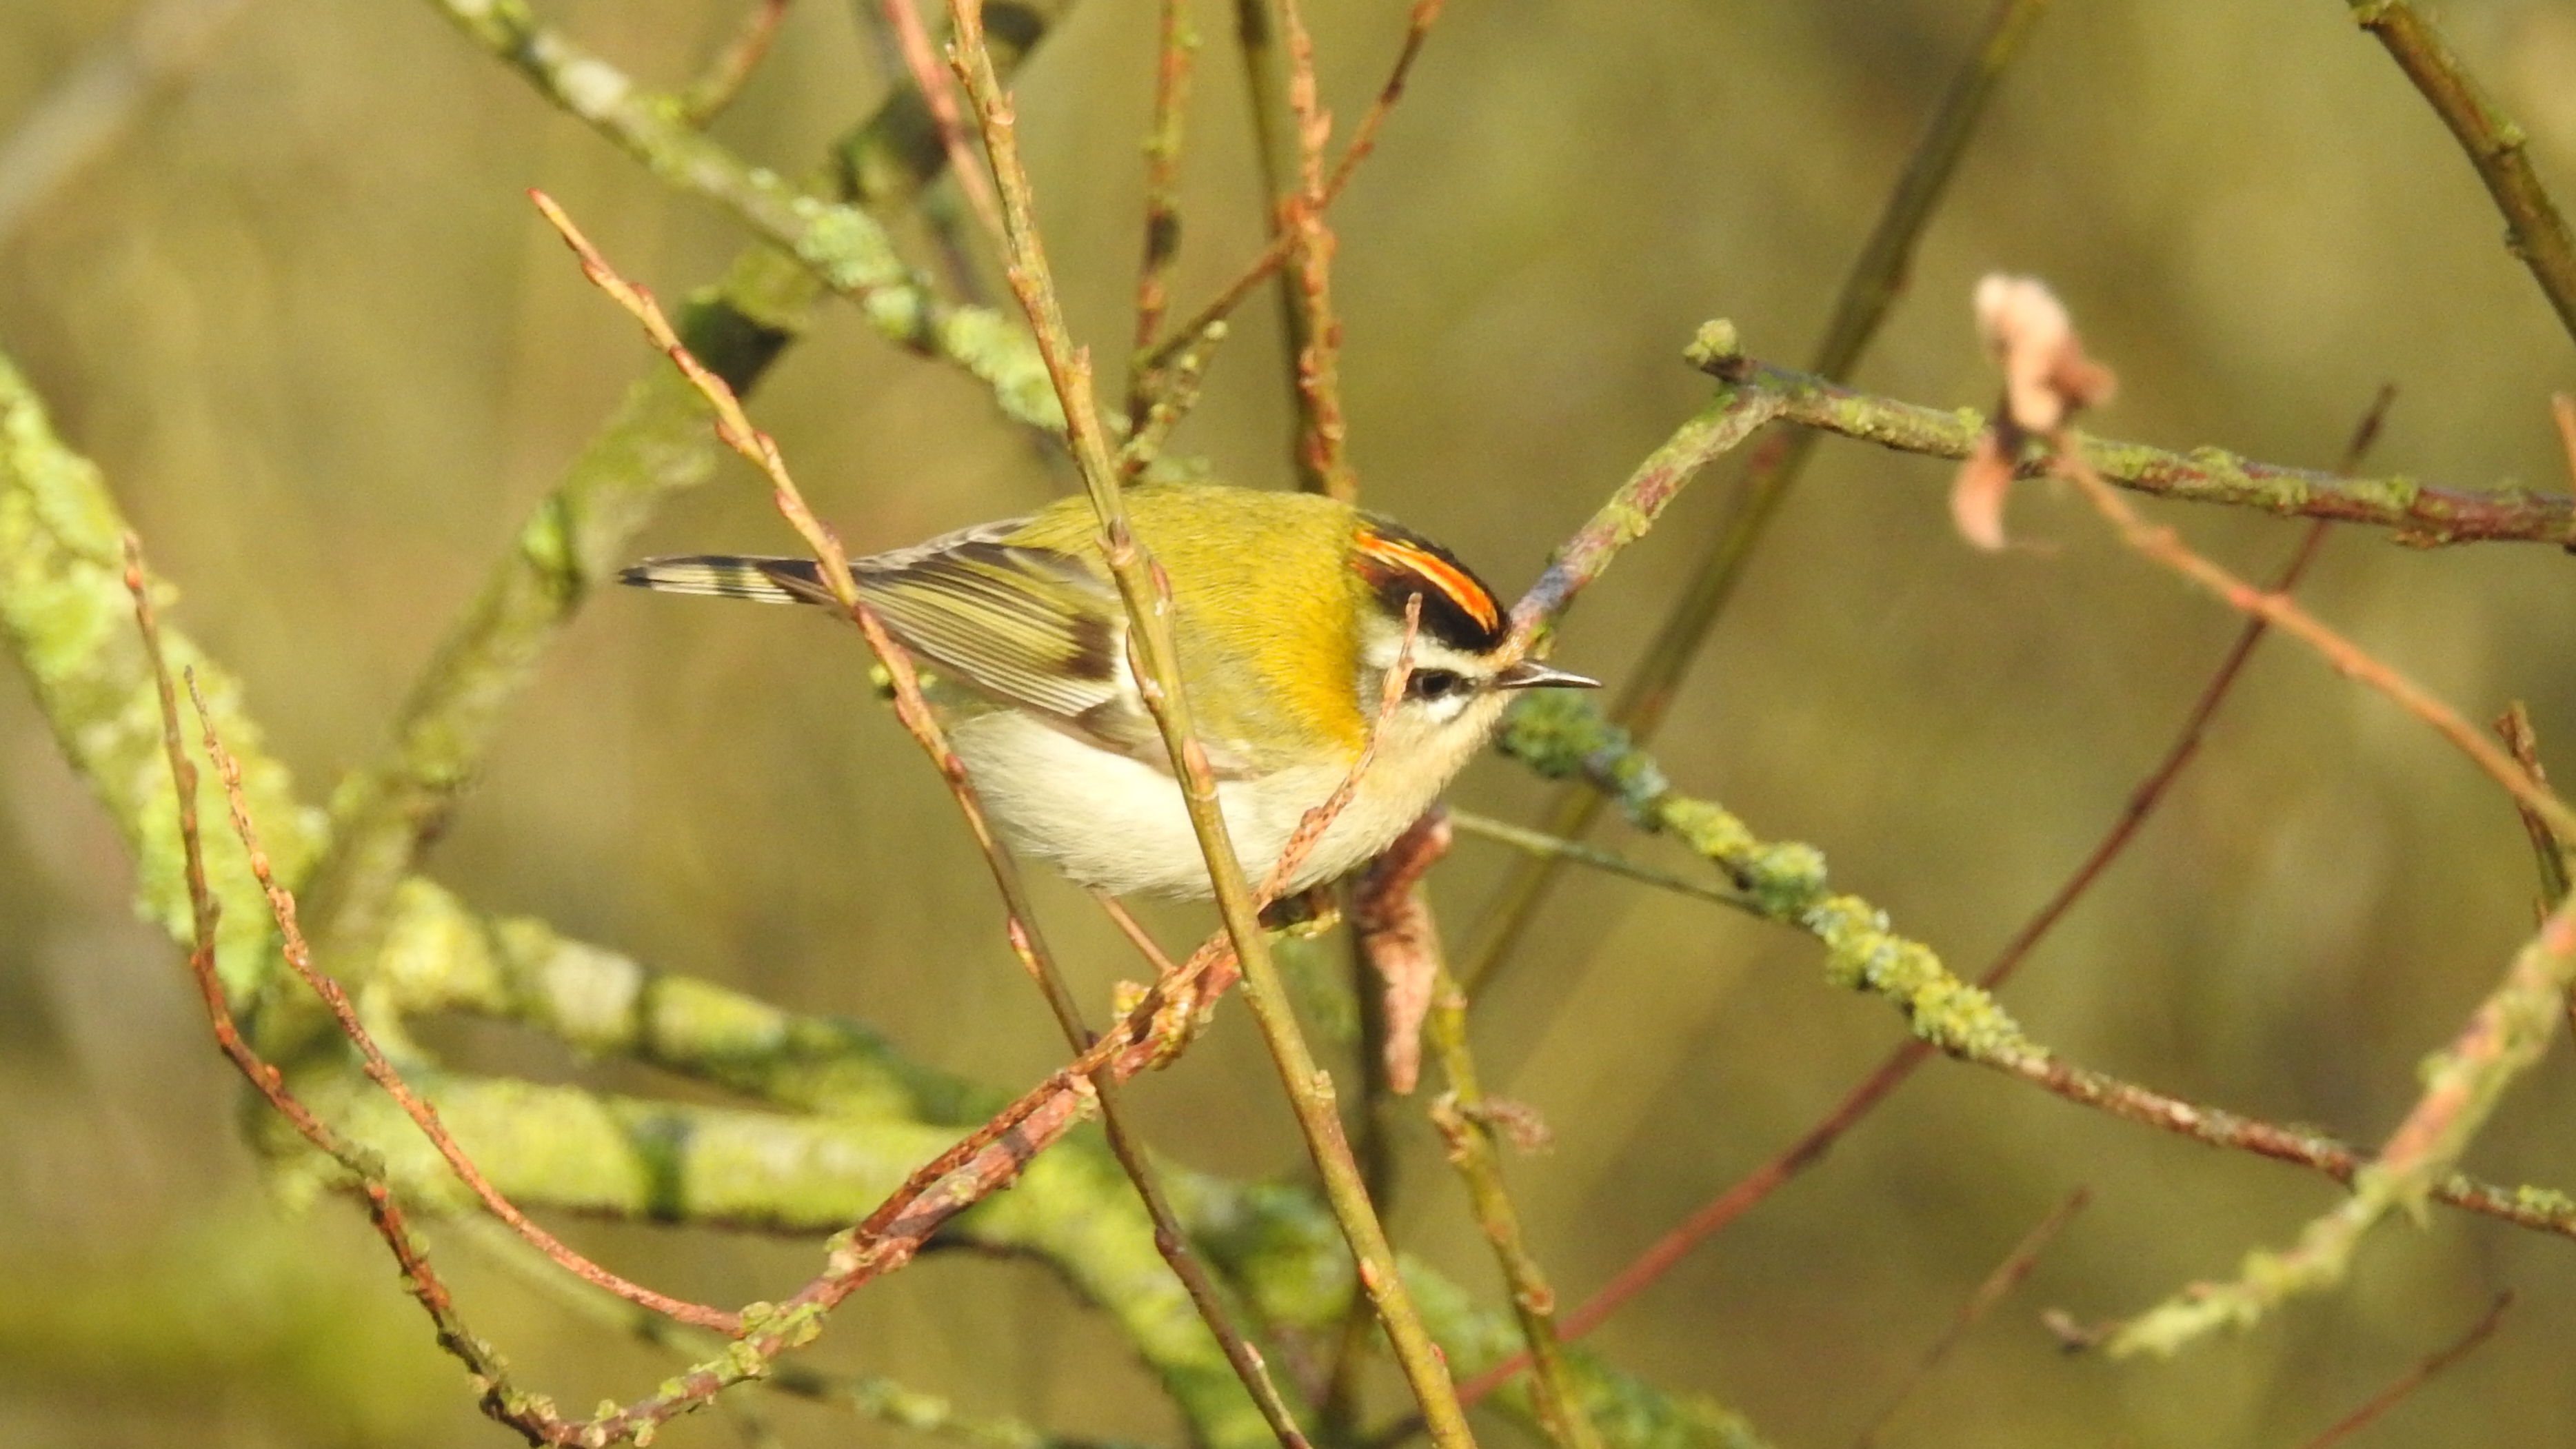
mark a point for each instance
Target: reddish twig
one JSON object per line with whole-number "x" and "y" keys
{"x": 2415, "y": 1378}
{"x": 2165, "y": 547}
{"x": 380, "y": 1070}
{"x": 2007, "y": 1276}
{"x": 1176, "y": 52}
{"x": 731, "y": 70}
{"x": 1263, "y": 267}
{"x": 938, "y": 92}
{"x": 1322, "y": 455}
{"x": 1740, "y": 1197}
{"x": 492, "y": 1386}
{"x": 914, "y": 712}
{"x": 1417, "y": 29}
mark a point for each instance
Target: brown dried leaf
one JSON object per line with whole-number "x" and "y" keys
{"x": 2046, "y": 374}
{"x": 1977, "y": 495}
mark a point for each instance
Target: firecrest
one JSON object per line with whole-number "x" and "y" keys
{"x": 1288, "y": 609}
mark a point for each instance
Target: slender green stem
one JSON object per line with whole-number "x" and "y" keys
{"x": 1310, "y": 1090}
{"x": 1277, "y": 145}
{"x": 1540, "y": 843}
{"x": 2535, "y": 230}
{"x": 1877, "y": 279}
{"x": 1176, "y": 58}
{"x": 1462, "y": 1118}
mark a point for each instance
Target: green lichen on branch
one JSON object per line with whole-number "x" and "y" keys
{"x": 840, "y": 243}
{"x": 2463, "y": 1084}
{"x": 1625, "y": 1411}
{"x": 2417, "y": 513}
{"x": 1564, "y": 736}
{"x": 65, "y": 614}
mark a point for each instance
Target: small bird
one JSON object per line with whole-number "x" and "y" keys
{"x": 1288, "y": 610}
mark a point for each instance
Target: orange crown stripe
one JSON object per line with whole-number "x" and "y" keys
{"x": 1456, "y": 583}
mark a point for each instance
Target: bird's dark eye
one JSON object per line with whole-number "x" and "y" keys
{"x": 1434, "y": 684}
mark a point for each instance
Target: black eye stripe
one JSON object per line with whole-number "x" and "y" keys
{"x": 1434, "y": 684}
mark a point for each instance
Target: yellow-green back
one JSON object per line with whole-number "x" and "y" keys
{"x": 1268, "y": 599}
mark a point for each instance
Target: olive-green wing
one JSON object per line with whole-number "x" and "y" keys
{"x": 1029, "y": 628}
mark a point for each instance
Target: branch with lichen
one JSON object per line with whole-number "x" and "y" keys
{"x": 1144, "y": 592}
{"x": 657, "y": 443}
{"x": 857, "y": 1116}
{"x": 919, "y": 720}
{"x": 839, "y": 243}
{"x": 1753, "y": 393}
{"x": 1785, "y": 882}
{"x": 1869, "y": 294}
{"x": 2496, "y": 147}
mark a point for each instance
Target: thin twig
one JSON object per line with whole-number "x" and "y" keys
{"x": 1869, "y": 293}
{"x": 491, "y": 1377}
{"x": 1417, "y": 29}
{"x": 2007, "y": 1276}
{"x": 1540, "y": 843}
{"x": 2416, "y": 1377}
{"x": 2549, "y": 851}
{"x": 1176, "y": 56}
{"x": 1363, "y": 141}
{"x": 938, "y": 89}
{"x": 1323, "y": 457}
{"x": 2164, "y": 546}
{"x": 714, "y": 92}
{"x": 381, "y": 1070}
{"x": 1464, "y": 1119}
{"x": 1151, "y": 637}
{"x": 918, "y": 719}
{"x": 2499, "y": 149}
{"x": 2463, "y": 1085}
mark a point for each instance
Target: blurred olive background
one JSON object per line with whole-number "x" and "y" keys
{"x": 304, "y": 317}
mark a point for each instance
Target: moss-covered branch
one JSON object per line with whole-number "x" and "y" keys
{"x": 2498, "y": 148}
{"x": 865, "y": 1117}
{"x": 1754, "y": 393}
{"x": 66, "y": 616}
{"x": 656, "y": 443}
{"x": 1564, "y": 737}
{"x": 841, "y": 244}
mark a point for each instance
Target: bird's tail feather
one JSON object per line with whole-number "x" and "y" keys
{"x": 732, "y": 576}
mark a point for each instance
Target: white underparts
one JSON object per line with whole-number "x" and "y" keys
{"x": 1118, "y": 824}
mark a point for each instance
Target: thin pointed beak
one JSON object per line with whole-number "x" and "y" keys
{"x": 1530, "y": 674}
